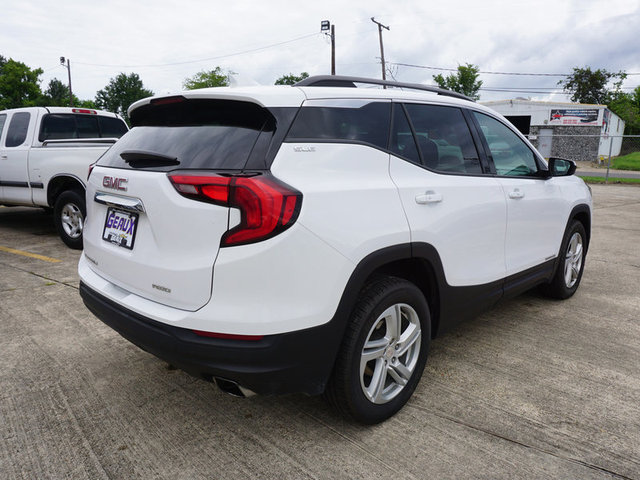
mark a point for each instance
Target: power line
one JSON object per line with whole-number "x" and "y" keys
{"x": 491, "y": 73}
{"x": 202, "y": 59}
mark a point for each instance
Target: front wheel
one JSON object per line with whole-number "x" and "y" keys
{"x": 567, "y": 278}
{"x": 383, "y": 353}
{"x": 69, "y": 214}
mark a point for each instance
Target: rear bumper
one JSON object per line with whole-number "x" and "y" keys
{"x": 299, "y": 361}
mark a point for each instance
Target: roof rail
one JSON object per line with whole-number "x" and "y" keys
{"x": 350, "y": 82}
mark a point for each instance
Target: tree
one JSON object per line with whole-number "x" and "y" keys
{"x": 86, "y": 104}
{"x": 120, "y": 93}
{"x": 19, "y": 84}
{"x": 57, "y": 95}
{"x": 207, "y": 79}
{"x": 464, "y": 81}
{"x": 591, "y": 86}
{"x": 291, "y": 79}
{"x": 627, "y": 107}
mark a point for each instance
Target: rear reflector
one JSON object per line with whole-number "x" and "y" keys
{"x": 229, "y": 336}
{"x": 267, "y": 205}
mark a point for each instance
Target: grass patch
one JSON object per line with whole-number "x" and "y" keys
{"x": 627, "y": 162}
{"x": 632, "y": 181}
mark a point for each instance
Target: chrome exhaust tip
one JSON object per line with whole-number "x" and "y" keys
{"x": 232, "y": 388}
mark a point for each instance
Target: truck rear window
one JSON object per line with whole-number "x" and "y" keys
{"x": 61, "y": 126}
{"x": 200, "y": 134}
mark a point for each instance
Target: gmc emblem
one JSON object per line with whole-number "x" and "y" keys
{"x": 115, "y": 183}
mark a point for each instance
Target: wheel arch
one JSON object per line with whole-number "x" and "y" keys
{"x": 62, "y": 183}
{"x": 582, "y": 213}
{"x": 419, "y": 264}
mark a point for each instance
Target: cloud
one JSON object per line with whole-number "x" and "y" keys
{"x": 100, "y": 38}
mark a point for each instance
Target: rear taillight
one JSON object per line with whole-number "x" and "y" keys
{"x": 267, "y": 205}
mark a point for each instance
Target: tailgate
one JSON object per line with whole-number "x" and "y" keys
{"x": 150, "y": 240}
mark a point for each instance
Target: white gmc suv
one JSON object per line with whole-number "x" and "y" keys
{"x": 316, "y": 238}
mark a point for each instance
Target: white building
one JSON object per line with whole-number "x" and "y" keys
{"x": 571, "y": 130}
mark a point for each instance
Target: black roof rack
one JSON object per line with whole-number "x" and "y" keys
{"x": 350, "y": 82}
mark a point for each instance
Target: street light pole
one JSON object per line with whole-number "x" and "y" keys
{"x": 380, "y": 27}
{"x": 68, "y": 67}
{"x": 324, "y": 26}
{"x": 333, "y": 49}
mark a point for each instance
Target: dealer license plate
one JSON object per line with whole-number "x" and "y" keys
{"x": 120, "y": 227}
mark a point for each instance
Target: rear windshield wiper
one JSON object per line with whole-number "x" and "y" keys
{"x": 144, "y": 159}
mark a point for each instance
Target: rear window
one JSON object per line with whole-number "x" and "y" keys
{"x": 200, "y": 134}
{"x": 61, "y": 126}
{"x": 111, "y": 127}
{"x": 360, "y": 121}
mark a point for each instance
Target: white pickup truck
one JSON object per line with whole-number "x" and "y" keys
{"x": 45, "y": 154}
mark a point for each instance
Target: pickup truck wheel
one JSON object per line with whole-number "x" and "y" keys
{"x": 69, "y": 214}
{"x": 383, "y": 353}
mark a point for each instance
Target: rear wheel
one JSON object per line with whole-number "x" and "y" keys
{"x": 383, "y": 353}
{"x": 567, "y": 278}
{"x": 69, "y": 215}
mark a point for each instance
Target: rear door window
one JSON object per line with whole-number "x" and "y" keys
{"x": 444, "y": 139}
{"x": 402, "y": 142}
{"x": 18, "y": 128}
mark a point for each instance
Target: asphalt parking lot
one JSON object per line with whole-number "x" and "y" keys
{"x": 532, "y": 389}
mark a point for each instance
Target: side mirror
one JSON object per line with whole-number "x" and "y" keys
{"x": 561, "y": 167}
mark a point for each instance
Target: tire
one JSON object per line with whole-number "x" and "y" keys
{"x": 69, "y": 213}
{"x": 375, "y": 374}
{"x": 567, "y": 278}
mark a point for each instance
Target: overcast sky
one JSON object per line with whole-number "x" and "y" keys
{"x": 165, "y": 42}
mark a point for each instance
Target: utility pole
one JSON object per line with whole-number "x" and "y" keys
{"x": 324, "y": 26}
{"x": 68, "y": 67}
{"x": 380, "y": 27}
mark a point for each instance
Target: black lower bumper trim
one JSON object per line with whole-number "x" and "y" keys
{"x": 299, "y": 361}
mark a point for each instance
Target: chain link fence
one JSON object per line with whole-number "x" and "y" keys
{"x": 620, "y": 152}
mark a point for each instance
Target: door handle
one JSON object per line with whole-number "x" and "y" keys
{"x": 429, "y": 197}
{"x": 516, "y": 193}
{"x": 3, "y": 157}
